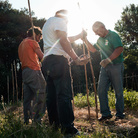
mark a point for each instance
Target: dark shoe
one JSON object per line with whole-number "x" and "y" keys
{"x": 70, "y": 131}
{"x": 118, "y": 118}
{"x": 104, "y": 118}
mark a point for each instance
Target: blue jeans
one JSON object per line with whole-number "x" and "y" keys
{"x": 111, "y": 74}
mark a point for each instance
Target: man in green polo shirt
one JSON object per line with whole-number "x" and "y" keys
{"x": 111, "y": 49}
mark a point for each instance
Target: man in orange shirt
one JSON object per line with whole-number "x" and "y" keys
{"x": 34, "y": 83}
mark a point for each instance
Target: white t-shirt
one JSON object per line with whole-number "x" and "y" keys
{"x": 51, "y": 42}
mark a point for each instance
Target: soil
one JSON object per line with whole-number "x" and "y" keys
{"x": 128, "y": 125}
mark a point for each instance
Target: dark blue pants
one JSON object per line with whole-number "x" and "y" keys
{"x": 58, "y": 90}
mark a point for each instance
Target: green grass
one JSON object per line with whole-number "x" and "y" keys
{"x": 12, "y": 126}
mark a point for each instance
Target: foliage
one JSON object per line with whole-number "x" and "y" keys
{"x": 81, "y": 100}
{"x": 130, "y": 99}
{"x": 128, "y": 25}
{"x": 131, "y": 61}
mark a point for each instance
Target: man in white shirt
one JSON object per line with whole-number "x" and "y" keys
{"x": 55, "y": 67}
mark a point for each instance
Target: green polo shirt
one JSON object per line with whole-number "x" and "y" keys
{"x": 108, "y": 44}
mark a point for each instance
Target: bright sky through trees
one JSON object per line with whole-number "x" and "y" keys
{"x": 107, "y": 11}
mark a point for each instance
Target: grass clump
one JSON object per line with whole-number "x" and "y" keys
{"x": 13, "y": 126}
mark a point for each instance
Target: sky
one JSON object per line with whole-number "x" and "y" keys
{"x": 82, "y": 13}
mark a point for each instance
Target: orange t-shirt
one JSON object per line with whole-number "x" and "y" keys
{"x": 27, "y": 55}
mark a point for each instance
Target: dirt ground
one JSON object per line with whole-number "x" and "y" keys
{"x": 83, "y": 123}
{"x": 82, "y": 120}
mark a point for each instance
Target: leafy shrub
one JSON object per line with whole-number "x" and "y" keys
{"x": 130, "y": 99}
{"x": 81, "y": 100}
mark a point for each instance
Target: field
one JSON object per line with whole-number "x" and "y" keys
{"x": 11, "y": 121}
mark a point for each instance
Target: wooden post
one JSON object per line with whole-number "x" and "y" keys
{"x": 31, "y": 19}
{"x": 87, "y": 90}
{"x": 94, "y": 85}
{"x": 72, "y": 87}
{"x": 8, "y": 88}
{"x": 126, "y": 81}
{"x": 136, "y": 81}
{"x": 133, "y": 81}
{"x": 16, "y": 81}
{"x": 12, "y": 82}
{"x": 22, "y": 91}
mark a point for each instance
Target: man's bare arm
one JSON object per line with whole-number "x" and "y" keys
{"x": 89, "y": 45}
{"x": 65, "y": 43}
{"x": 116, "y": 53}
{"x": 39, "y": 53}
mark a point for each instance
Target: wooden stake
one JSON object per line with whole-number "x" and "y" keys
{"x": 72, "y": 87}
{"x": 87, "y": 90}
{"x": 22, "y": 91}
{"x": 8, "y": 87}
{"x": 94, "y": 85}
{"x": 16, "y": 81}
{"x": 31, "y": 19}
{"x": 92, "y": 76}
{"x": 126, "y": 81}
{"x": 12, "y": 82}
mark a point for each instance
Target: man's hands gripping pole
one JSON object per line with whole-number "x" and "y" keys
{"x": 83, "y": 59}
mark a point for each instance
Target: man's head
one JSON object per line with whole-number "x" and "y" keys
{"x": 37, "y": 31}
{"x": 62, "y": 14}
{"x": 99, "y": 29}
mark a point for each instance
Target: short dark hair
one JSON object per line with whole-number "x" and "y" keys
{"x": 37, "y": 31}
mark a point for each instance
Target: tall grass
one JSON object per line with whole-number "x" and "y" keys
{"x": 12, "y": 126}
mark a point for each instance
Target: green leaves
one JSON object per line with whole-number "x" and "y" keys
{"x": 127, "y": 26}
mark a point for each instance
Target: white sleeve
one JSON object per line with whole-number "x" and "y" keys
{"x": 60, "y": 25}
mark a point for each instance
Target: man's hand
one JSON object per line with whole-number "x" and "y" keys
{"x": 83, "y": 34}
{"x": 82, "y": 61}
{"x": 105, "y": 62}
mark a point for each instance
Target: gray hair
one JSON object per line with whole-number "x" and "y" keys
{"x": 97, "y": 25}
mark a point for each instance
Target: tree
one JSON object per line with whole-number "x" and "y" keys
{"x": 128, "y": 26}
{"x": 13, "y": 26}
